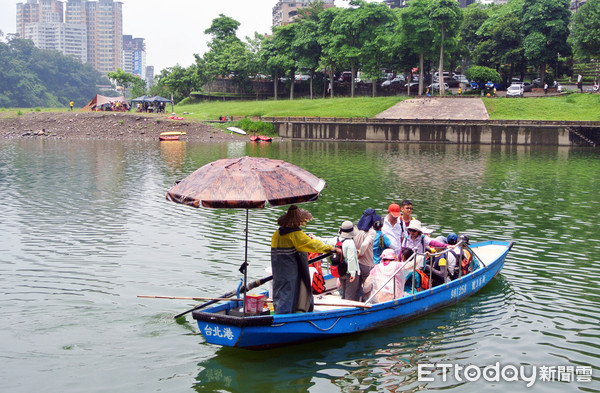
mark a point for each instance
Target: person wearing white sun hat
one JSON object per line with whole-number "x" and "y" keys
{"x": 417, "y": 240}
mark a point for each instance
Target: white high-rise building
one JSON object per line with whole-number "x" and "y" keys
{"x": 69, "y": 39}
{"x": 42, "y": 21}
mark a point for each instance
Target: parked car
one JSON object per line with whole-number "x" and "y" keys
{"x": 514, "y": 90}
{"x": 396, "y": 82}
{"x": 346, "y": 76}
{"x": 436, "y": 86}
{"x": 538, "y": 83}
{"x": 462, "y": 79}
{"x": 451, "y": 82}
{"x": 302, "y": 77}
{"x": 526, "y": 85}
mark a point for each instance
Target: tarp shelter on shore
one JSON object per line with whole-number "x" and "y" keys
{"x": 99, "y": 100}
{"x": 150, "y": 100}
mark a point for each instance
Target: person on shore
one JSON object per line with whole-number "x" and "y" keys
{"x": 292, "y": 286}
{"x": 392, "y": 227}
{"x": 579, "y": 83}
{"x": 459, "y": 90}
{"x": 349, "y": 282}
{"x": 545, "y": 88}
{"x": 71, "y": 103}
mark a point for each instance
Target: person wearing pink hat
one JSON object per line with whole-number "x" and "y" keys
{"x": 393, "y": 227}
{"x": 388, "y": 267}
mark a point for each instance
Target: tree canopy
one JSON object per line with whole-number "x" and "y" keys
{"x": 33, "y": 77}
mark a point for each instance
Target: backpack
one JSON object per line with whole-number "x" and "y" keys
{"x": 425, "y": 284}
{"x": 339, "y": 266}
{"x": 464, "y": 265}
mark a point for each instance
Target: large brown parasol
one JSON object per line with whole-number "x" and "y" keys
{"x": 246, "y": 183}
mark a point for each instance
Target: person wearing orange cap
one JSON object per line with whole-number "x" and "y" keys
{"x": 393, "y": 227}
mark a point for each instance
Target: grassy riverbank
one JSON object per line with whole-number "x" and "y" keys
{"x": 571, "y": 107}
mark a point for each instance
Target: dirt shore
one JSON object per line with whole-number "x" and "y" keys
{"x": 108, "y": 126}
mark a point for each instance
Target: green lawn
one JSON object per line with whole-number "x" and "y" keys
{"x": 321, "y": 107}
{"x": 572, "y": 107}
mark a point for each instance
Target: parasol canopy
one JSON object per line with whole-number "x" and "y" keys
{"x": 247, "y": 183}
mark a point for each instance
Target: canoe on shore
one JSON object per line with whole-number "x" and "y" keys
{"x": 227, "y": 325}
{"x": 170, "y": 135}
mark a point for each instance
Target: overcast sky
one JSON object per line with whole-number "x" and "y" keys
{"x": 174, "y": 29}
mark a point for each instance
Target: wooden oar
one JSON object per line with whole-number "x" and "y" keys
{"x": 348, "y": 303}
{"x": 243, "y": 289}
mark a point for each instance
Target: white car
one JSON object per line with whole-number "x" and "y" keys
{"x": 436, "y": 87}
{"x": 514, "y": 91}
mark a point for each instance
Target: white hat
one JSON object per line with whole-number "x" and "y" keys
{"x": 416, "y": 225}
{"x": 348, "y": 230}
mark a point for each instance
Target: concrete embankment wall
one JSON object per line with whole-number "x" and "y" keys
{"x": 480, "y": 132}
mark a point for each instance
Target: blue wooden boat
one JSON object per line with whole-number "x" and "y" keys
{"x": 224, "y": 325}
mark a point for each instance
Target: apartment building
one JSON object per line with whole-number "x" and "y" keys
{"x": 285, "y": 11}
{"x": 38, "y": 11}
{"x": 69, "y": 39}
{"x": 134, "y": 56}
{"x": 104, "y": 27}
{"x": 42, "y": 21}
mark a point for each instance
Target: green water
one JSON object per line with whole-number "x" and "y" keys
{"x": 86, "y": 228}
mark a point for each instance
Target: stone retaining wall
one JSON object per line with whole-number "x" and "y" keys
{"x": 554, "y": 133}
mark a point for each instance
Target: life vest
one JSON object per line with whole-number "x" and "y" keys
{"x": 464, "y": 265}
{"x": 318, "y": 281}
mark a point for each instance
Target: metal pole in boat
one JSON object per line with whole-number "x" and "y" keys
{"x": 246, "y": 264}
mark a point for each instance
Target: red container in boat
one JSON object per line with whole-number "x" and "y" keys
{"x": 255, "y": 303}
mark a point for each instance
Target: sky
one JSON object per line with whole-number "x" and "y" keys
{"x": 174, "y": 30}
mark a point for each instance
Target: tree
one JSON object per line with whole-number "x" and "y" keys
{"x": 481, "y": 75}
{"x": 545, "y": 25}
{"x": 178, "y": 81}
{"x": 445, "y": 16}
{"x": 585, "y": 30}
{"x": 286, "y": 55}
{"x": 122, "y": 78}
{"x": 329, "y": 55}
{"x": 417, "y": 32}
{"x": 502, "y": 41}
{"x": 228, "y": 56}
{"x": 474, "y": 17}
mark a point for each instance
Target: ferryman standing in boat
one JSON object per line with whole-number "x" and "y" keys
{"x": 292, "y": 286}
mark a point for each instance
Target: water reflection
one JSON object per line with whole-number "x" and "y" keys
{"x": 86, "y": 227}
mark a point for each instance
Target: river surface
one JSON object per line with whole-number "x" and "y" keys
{"x": 85, "y": 228}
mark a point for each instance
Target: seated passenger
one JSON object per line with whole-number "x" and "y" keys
{"x": 380, "y": 243}
{"x": 381, "y": 273}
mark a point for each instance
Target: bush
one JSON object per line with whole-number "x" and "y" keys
{"x": 257, "y": 127}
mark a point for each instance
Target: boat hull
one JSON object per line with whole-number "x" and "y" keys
{"x": 268, "y": 331}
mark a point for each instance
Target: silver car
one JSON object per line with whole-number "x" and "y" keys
{"x": 514, "y": 91}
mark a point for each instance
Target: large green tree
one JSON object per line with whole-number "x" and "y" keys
{"x": 585, "y": 30}
{"x": 545, "y": 25}
{"x": 33, "y": 77}
{"x": 418, "y": 33}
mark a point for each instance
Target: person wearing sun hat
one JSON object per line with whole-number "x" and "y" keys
{"x": 292, "y": 285}
{"x": 350, "y": 282}
{"x": 416, "y": 240}
{"x": 393, "y": 228}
